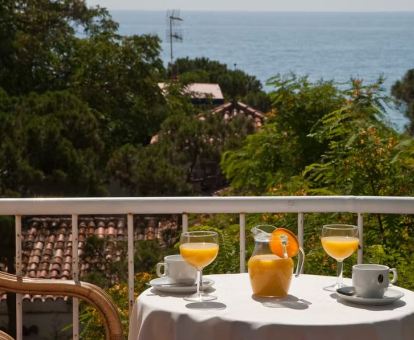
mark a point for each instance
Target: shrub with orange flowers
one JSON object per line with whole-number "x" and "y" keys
{"x": 90, "y": 319}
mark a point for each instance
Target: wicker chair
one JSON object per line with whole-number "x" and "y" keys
{"x": 5, "y": 336}
{"x": 83, "y": 290}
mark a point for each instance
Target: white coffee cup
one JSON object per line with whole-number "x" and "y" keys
{"x": 371, "y": 280}
{"x": 176, "y": 269}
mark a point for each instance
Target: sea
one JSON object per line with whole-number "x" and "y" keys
{"x": 321, "y": 45}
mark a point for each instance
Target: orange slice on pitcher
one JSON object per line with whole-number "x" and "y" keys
{"x": 292, "y": 247}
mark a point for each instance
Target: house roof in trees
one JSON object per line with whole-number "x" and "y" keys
{"x": 47, "y": 244}
{"x": 229, "y": 111}
{"x": 232, "y": 109}
{"x": 200, "y": 92}
{"x": 204, "y": 90}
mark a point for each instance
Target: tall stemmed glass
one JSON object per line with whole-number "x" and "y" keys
{"x": 199, "y": 249}
{"x": 339, "y": 241}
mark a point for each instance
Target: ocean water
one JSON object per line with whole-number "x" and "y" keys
{"x": 334, "y": 46}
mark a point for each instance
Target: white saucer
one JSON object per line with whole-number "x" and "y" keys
{"x": 390, "y": 296}
{"x": 163, "y": 284}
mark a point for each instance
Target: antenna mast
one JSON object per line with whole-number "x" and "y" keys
{"x": 173, "y": 32}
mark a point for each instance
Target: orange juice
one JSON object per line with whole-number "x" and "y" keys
{"x": 339, "y": 247}
{"x": 199, "y": 254}
{"x": 270, "y": 275}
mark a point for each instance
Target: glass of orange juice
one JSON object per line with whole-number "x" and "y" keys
{"x": 199, "y": 249}
{"x": 339, "y": 241}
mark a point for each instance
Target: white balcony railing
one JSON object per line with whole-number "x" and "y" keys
{"x": 358, "y": 205}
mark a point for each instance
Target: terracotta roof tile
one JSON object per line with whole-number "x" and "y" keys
{"x": 33, "y": 229}
{"x": 100, "y": 231}
{"x": 61, "y": 238}
{"x": 42, "y": 274}
{"x": 66, "y": 275}
{"x": 32, "y": 266}
{"x": 47, "y": 243}
{"x": 37, "y": 297}
{"x": 44, "y": 266}
{"x": 39, "y": 245}
{"x": 55, "y": 267}
{"x": 37, "y": 252}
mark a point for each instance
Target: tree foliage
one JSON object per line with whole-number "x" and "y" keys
{"x": 283, "y": 147}
{"x": 40, "y": 37}
{"x": 235, "y": 84}
{"x": 117, "y": 76}
{"x": 350, "y": 151}
{"x": 65, "y": 50}
{"x": 147, "y": 171}
{"x": 184, "y": 157}
{"x": 403, "y": 91}
{"x": 57, "y": 148}
{"x": 92, "y": 325}
{"x": 72, "y": 91}
{"x": 362, "y": 157}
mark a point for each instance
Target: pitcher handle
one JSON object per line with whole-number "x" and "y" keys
{"x": 301, "y": 261}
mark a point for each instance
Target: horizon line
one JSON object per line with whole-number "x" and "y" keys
{"x": 262, "y": 11}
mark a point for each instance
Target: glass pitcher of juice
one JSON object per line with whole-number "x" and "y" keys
{"x": 271, "y": 265}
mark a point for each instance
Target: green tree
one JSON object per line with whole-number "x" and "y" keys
{"x": 66, "y": 45}
{"x": 184, "y": 160}
{"x": 147, "y": 171}
{"x": 362, "y": 154}
{"x": 283, "y": 148}
{"x": 40, "y": 36}
{"x": 366, "y": 157}
{"x": 117, "y": 76}
{"x": 50, "y": 146}
{"x": 65, "y": 51}
{"x": 352, "y": 152}
{"x": 235, "y": 84}
{"x": 403, "y": 91}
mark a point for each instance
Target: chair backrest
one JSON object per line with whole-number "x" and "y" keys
{"x": 91, "y": 293}
{"x": 5, "y": 336}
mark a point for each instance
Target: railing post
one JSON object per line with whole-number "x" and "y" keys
{"x": 301, "y": 232}
{"x": 361, "y": 238}
{"x": 300, "y": 229}
{"x": 130, "y": 225}
{"x": 242, "y": 222}
{"x": 75, "y": 275}
{"x": 19, "y": 274}
{"x": 185, "y": 222}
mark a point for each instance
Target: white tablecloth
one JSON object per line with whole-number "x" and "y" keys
{"x": 309, "y": 313}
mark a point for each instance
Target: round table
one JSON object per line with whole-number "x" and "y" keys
{"x": 308, "y": 313}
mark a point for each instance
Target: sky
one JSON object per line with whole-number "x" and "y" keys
{"x": 259, "y": 5}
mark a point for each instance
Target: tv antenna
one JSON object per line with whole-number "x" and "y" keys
{"x": 173, "y": 33}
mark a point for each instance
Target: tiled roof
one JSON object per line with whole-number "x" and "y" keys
{"x": 47, "y": 243}
{"x": 199, "y": 90}
{"x": 230, "y": 110}
{"x": 204, "y": 90}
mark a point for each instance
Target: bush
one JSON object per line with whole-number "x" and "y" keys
{"x": 92, "y": 325}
